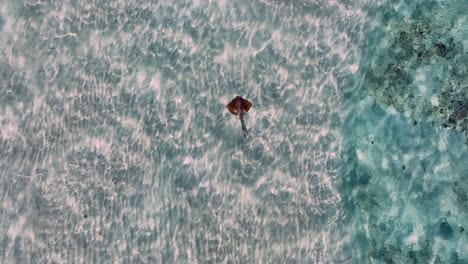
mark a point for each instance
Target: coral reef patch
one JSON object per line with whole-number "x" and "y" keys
{"x": 421, "y": 67}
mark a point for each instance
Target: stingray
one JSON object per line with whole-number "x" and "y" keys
{"x": 240, "y": 106}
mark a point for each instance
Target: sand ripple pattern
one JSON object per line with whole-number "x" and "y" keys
{"x": 116, "y": 146}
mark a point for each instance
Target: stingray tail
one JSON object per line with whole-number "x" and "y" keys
{"x": 244, "y": 128}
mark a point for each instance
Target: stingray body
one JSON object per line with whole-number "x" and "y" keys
{"x": 240, "y": 106}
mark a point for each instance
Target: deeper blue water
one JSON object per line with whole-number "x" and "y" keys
{"x": 116, "y": 145}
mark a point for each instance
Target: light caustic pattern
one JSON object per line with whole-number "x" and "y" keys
{"x": 116, "y": 146}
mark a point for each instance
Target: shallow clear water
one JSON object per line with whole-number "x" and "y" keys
{"x": 116, "y": 145}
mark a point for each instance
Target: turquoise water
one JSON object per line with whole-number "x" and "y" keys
{"x": 116, "y": 145}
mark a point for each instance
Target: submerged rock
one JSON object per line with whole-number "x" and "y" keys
{"x": 441, "y": 49}
{"x": 459, "y": 114}
{"x": 445, "y": 230}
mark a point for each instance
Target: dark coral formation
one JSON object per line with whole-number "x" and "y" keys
{"x": 423, "y": 69}
{"x": 414, "y": 211}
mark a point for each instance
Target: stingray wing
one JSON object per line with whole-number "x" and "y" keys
{"x": 233, "y": 107}
{"x": 245, "y": 106}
